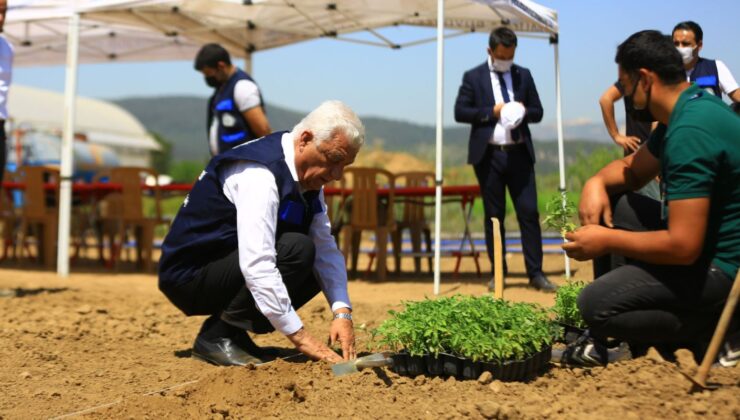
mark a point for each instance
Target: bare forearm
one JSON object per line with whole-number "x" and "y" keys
{"x": 656, "y": 247}
{"x": 607, "y": 113}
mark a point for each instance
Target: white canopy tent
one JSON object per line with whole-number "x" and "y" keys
{"x": 147, "y": 30}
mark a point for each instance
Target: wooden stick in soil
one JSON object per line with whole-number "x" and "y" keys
{"x": 700, "y": 379}
{"x": 498, "y": 260}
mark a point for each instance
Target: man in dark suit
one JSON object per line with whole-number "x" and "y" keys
{"x": 499, "y": 99}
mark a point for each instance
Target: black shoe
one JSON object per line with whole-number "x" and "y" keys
{"x": 540, "y": 282}
{"x": 222, "y": 351}
{"x": 588, "y": 352}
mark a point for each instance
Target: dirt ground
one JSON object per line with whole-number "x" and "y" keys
{"x": 103, "y": 345}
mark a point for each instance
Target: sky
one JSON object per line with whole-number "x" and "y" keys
{"x": 400, "y": 84}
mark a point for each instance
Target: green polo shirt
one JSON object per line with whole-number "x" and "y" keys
{"x": 699, "y": 155}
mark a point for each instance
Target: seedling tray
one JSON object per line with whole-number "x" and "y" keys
{"x": 463, "y": 368}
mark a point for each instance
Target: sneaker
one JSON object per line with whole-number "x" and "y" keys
{"x": 729, "y": 355}
{"x": 589, "y": 352}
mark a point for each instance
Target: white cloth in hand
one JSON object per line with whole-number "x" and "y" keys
{"x": 512, "y": 114}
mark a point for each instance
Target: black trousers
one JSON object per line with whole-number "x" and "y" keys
{"x": 514, "y": 170}
{"x": 220, "y": 289}
{"x": 647, "y": 304}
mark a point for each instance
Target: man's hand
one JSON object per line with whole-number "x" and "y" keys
{"x": 313, "y": 348}
{"x": 587, "y": 242}
{"x": 497, "y": 110}
{"x": 628, "y": 143}
{"x": 595, "y": 204}
{"x": 342, "y": 330}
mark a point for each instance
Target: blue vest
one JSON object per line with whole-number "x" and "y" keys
{"x": 205, "y": 227}
{"x": 233, "y": 128}
{"x": 706, "y": 76}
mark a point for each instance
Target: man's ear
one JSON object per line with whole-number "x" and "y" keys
{"x": 699, "y": 46}
{"x": 305, "y": 139}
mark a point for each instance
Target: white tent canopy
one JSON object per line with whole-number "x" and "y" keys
{"x": 49, "y": 32}
{"x": 144, "y": 30}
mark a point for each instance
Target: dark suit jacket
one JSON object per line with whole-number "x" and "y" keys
{"x": 475, "y": 103}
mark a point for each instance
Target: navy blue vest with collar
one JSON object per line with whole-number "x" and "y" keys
{"x": 205, "y": 227}
{"x": 706, "y": 76}
{"x": 233, "y": 128}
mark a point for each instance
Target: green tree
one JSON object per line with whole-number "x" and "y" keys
{"x": 162, "y": 159}
{"x": 186, "y": 170}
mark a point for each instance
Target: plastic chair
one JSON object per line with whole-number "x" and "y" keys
{"x": 122, "y": 213}
{"x": 368, "y": 212}
{"x": 40, "y": 211}
{"x": 335, "y": 208}
{"x": 414, "y": 219}
{"x": 9, "y": 219}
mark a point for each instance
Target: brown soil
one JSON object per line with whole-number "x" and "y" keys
{"x": 111, "y": 344}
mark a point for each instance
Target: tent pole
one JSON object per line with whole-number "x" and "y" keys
{"x": 248, "y": 62}
{"x": 67, "y": 155}
{"x": 561, "y": 153}
{"x": 440, "y": 109}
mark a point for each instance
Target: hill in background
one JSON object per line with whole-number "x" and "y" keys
{"x": 181, "y": 120}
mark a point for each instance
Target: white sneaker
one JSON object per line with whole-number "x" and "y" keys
{"x": 729, "y": 355}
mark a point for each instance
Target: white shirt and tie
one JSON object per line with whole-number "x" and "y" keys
{"x": 501, "y": 135}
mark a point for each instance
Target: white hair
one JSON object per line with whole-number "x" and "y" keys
{"x": 330, "y": 118}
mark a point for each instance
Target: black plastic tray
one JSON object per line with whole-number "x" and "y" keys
{"x": 463, "y": 368}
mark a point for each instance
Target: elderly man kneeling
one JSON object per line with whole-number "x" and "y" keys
{"x": 252, "y": 243}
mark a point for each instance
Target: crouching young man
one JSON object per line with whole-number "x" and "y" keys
{"x": 252, "y": 243}
{"x": 678, "y": 274}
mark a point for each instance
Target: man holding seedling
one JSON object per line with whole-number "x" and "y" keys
{"x": 252, "y": 242}
{"x": 499, "y": 99}
{"x": 683, "y": 251}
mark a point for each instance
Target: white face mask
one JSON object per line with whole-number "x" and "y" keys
{"x": 502, "y": 66}
{"x": 687, "y": 53}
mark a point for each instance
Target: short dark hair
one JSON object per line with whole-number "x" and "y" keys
{"x": 209, "y": 56}
{"x": 502, "y": 35}
{"x": 690, "y": 25}
{"x": 653, "y": 51}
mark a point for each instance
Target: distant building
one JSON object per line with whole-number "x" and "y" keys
{"x": 102, "y": 124}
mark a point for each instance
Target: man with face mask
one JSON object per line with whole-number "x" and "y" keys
{"x": 712, "y": 75}
{"x": 499, "y": 99}
{"x": 236, "y": 110}
{"x": 683, "y": 251}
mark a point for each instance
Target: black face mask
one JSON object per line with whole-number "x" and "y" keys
{"x": 212, "y": 81}
{"x": 642, "y": 115}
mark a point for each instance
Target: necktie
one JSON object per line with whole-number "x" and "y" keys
{"x": 502, "y": 84}
{"x": 505, "y": 95}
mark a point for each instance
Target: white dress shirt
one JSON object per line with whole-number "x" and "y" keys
{"x": 500, "y": 134}
{"x": 252, "y": 189}
{"x": 246, "y": 96}
{"x": 727, "y": 83}
{"x": 6, "y": 72}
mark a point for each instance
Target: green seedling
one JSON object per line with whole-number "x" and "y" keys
{"x": 478, "y": 328}
{"x": 565, "y": 308}
{"x": 560, "y": 213}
